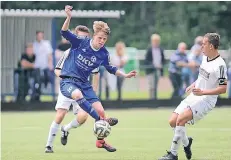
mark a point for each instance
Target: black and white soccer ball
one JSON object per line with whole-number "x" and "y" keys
{"x": 102, "y": 129}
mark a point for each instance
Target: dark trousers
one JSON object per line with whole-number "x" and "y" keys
{"x": 119, "y": 84}
{"x": 25, "y": 80}
{"x": 176, "y": 83}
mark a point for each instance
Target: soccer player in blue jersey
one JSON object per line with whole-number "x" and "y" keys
{"x": 63, "y": 103}
{"x": 86, "y": 55}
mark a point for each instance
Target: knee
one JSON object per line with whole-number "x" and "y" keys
{"x": 172, "y": 122}
{"x": 180, "y": 121}
{"x": 60, "y": 115}
{"x": 76, "y": 94}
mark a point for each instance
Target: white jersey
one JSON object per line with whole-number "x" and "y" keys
{"x": 64, "y": 57}
{"x": 211, "y": 74}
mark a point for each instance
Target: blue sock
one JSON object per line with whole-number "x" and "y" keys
{"x": 86, "y": 106}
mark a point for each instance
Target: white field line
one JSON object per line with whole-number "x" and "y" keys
{"x": 127, "y": 128}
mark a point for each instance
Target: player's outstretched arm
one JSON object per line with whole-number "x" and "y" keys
{"x": 68, "y": 19}
{"x": 126, "y": 75}
{"x": 72, "y": 38}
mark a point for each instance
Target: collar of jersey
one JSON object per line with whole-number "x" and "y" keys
{"x": 92, "y": 46}
{"x": 209, "y": 60}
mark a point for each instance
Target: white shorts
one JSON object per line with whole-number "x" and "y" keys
{"x": 200, "y": 108}
{"x": 65, "y": 103}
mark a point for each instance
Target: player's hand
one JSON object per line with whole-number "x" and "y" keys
{"x": 68, "y": 10}
{"x": 189, "y": 89}
{"x": 197, "y": 92}
{"x": 131, "y": 74}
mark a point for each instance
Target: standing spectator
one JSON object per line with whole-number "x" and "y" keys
{"x": 155, "y": 63}
{"x": 198, "y": 41}
{"x": 119, "y": 60}
{"x": 195, "y": 57}
{"x": 177, "y": 61}
{"x": 25, "y": 72}
{"x": 43, "y": 63}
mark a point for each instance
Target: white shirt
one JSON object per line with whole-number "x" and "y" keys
{"x": 211, "y": 74}
{"x": 116, "y": 60}
{"x": 156, "y": 54}
{"x": 42, "y": 50}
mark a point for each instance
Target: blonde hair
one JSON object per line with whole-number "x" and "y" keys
{"x": 100, "y": 26}
{"x": 155, "y": 37}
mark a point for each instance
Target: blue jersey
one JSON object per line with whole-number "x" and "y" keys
{"x": 83, "y": 58}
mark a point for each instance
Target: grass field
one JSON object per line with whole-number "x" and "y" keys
{"x": 141, "y": 134}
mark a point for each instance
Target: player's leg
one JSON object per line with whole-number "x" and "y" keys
{"x": 178, "y": 133}
{"x": 81, "y": 117}
{"x": 184, "y": 118}
{"x": 172, "y": 120}
{"x": 100, "y": 143}
{"x": 99, "y": 108}
{"x": 71, "y": 90}
{"x": 60, "y": 114}
{"x": 62, "y": 106}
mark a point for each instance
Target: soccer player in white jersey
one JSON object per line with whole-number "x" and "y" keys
{"x": 63, "y": 103}
{"x": 211, "y": 81}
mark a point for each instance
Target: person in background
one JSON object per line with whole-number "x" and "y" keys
{"x": 195, "y": 57}
{"x": 25, "y": 70}
{"x": 177, "y": 61}
{"x": 119, "y": 60}
{"x": 43, "y": 63}
{"x": 155, "y": 61}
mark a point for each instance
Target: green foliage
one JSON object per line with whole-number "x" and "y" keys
{"x": 174, "y": 21}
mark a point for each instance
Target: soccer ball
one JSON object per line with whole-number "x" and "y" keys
{"x": 102, "y": 129}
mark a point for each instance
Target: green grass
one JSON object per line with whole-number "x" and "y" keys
{"x": 141, "y": 134}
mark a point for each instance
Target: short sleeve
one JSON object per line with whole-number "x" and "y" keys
{"x": 62, "y": 59}
{"x": 221, "y": 75}
{"x": 174, "y": 58}
{"x": 49, "y": 48}
{"x": 23, "y": 57}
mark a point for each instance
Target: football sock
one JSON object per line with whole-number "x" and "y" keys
{"x": 73, "y": 124}
{"x": 86, "y": 106}
{"x": 176, "y": 139}
{"x": 52, "y": 133}
{"x": 185, "y": 140}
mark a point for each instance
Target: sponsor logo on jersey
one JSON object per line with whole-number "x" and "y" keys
{"x": 203, "y": 73}
{"x": 86, "y": 61}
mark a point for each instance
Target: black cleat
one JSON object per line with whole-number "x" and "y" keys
{"x": 64, "y": 135}
{"x": 112, "y": 121}
{"x": 49, "y": 149}
{"x": 169, "y": 156}
{"x": 187, "y": 150}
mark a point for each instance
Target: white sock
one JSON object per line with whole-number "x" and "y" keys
{"x": 73, "y": 124}
{"x": 52, "y": 133}
{"x": 185, "y": 140}
{"x": 176, "y": 139}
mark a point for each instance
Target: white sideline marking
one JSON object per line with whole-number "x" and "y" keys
{"x": 128, "y": 129}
